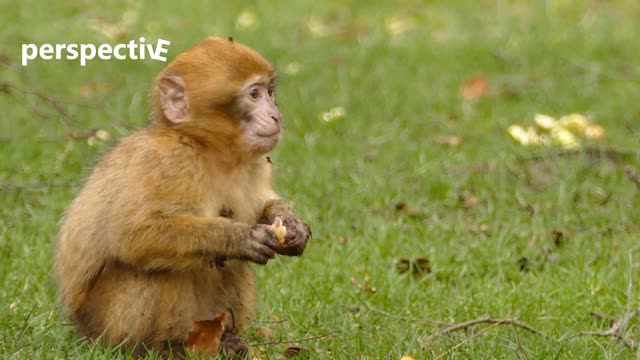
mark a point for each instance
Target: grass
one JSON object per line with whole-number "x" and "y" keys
{"x": 486, "y": 213}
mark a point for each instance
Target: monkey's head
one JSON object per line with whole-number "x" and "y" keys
{"x": 222, "y": 94}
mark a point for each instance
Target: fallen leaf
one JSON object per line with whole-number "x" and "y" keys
{"x": 246, "y": 20}
{"x": 407, "y": 357}
{"x": 594, "y": 132}
{"x": 402, "y": 265}
{"x": 564, "y": 138}
{"x": 366, "y": 286}
{"x": 205, "y": 335}
{"x": 523, "y": 263}
{"x": 294, "y": 351}
{"x": 409, "y": 210}
{"x": 449, "y": 140}
{"x": 468, "y": 201}
{"x": 398, "y": 24}
{"x": 93, "y": 88}
{"x": 475, "y": 88}
{"x": 417, "y": 267}
{"x": 633, "y": 175}
{"x": 317, "y": 28}
{"x": 265, "y": 332}
{"x": 558, "y": 236}
{"x": 545, "y": 121}
{"x": 292, "y": 68}
{"x": 334, "y": 114}
{"x": 575, "y": 122}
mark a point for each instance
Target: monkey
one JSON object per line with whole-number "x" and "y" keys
{"x": 163, "y": 232}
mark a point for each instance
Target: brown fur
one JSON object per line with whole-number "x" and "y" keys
{"x": 142, "y": 251}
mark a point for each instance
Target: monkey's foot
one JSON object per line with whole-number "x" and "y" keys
{"x": 233, "y": 346}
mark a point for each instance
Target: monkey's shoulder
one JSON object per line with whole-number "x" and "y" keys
{"x": 153, "y": 158}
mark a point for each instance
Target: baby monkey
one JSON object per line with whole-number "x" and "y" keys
{"x": 163, "y": 233}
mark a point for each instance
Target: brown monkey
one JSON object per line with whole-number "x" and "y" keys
{"x": 163, "y": 232}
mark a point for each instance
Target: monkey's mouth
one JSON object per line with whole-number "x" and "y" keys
{"x": 268, "y": 133}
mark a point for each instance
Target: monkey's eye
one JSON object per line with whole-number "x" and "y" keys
{"x": 270, "y": 91}
{"x": 254, "y": 93}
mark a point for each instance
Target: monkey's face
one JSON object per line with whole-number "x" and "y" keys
{"x": 258, "y": 113}
{"x": 222, "y": 93}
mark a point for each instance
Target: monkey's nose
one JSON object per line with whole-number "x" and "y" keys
{"x": 276, "y": 118}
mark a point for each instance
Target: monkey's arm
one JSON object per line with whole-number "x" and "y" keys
{"x": 186, "y": 242}
{"x": 298, "y": 232}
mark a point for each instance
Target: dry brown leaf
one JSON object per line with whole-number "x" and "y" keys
{"x": 293, "y": 351}
{"x": 449, "y": 140}
{"x": 468, "y": 201}
{"x": 265, "y": 332}
{"x": 205, "y": 335}
{"x": 475, "y": 88}
{"x": 366, "y": 286}
{"x": 418, "y": 266}
{"x": 409, "y": 209}
{"x": 559, "y": 236}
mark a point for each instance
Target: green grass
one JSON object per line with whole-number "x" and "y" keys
{"x": 400, "y": 94}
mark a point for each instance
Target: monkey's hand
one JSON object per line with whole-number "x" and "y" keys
{"x": 258, "y": 245}
{"x": 261, "y": 245}
{"x": 295, "y": 240}
{"x": 298, "y": 232}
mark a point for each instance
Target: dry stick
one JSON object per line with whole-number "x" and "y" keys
{"x": 486, "y": 319}
{"x": 420, "y": 320}
{"x": 71, "y": 136}
{"x": 54, "y": 102}
{"x": 611, "y": 153}
{"x": 632, "y": 174}
{"x": 34, "y": 186}
{"x": 617, "y": 329}
{"x": 296, "y": 341}
{"x": 465, "y": 341}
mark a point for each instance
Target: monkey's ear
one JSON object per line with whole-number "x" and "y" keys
{"x": 173, "y": 99}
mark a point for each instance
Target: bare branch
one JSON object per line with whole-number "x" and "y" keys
{"x": 330, "y": 333}
{"x": 616, "y": 330}
{"x": 611, "y": 153}
{"x": 8, "y": 186}
{"x": 486, "y": 319}
{"x": 632, "y": 174}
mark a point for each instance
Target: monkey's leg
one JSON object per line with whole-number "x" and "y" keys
{"x": 142, "y": 310}
{"x": 298, "y": 232}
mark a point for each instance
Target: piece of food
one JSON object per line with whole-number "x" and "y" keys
{"x": 279, "y": 229}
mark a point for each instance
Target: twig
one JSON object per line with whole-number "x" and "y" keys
{"x": 296, "y": 341}
{"x": 466, "y": 340}
{"x": 74, "y": 135}
{"x": 486, "y": 319}
{"x": 34, "y": 186}
{"x": 54, "y": 102}
{"x": 618, "y": 328}
{"x": 270, "y": 321}
{"x": 419, "y": 320}
{"x": 632, "y": 174}
{"x": 611, "y": 153}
